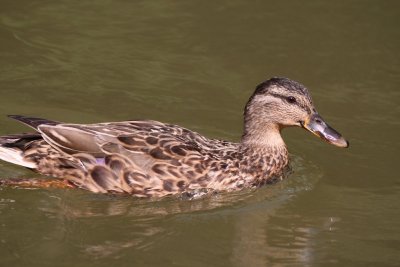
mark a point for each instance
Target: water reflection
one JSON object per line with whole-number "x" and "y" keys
{"x": 294, "y": 243}
{"x": 103, "y": 227}
{"x": 260, "y": 241}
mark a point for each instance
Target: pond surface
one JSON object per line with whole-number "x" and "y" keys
{"x": 195, "y": 63}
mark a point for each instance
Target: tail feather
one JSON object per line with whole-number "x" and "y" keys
{"x": 14, "y": 139}
{"x": 12, "y": 147}
{"x": 14, "y": 155}
{"x": 32, "y": 121}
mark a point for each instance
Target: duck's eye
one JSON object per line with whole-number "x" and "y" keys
{"x": 291, "y": 99}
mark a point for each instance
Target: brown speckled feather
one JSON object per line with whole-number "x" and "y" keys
{"x": 154, "y": 159}
{"x": 143, "y": 158}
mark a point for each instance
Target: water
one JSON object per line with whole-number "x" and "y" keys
{"x": 195, "y": 64}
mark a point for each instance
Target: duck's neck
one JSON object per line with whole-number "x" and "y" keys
{"x": 264, "y": 146}
{"x": 266, "y": 136}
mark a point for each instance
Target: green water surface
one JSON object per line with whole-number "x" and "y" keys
{"x": 195, "y": 63}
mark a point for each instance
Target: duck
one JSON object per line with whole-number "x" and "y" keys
{"x": 151, "y": 159}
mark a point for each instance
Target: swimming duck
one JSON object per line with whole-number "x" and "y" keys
{"x": 154, "y": 159}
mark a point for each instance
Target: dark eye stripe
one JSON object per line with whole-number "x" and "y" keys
{"x": 284, "y": 98}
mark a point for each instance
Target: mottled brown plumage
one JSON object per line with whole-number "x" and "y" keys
{"x": 154, "y": 159}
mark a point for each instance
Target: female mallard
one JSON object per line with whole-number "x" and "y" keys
{"x": 154, "y": 159}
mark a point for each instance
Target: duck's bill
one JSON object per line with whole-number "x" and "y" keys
{"x": 320, "y": 128}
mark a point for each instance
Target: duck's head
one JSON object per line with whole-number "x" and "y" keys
{"x": 281, "y": 102}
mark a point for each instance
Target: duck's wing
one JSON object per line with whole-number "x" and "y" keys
{"x": 154, "y": 164}
{"x": 145, "y": 158}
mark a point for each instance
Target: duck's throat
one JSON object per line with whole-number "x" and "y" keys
{"x": 263, "y": 136}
